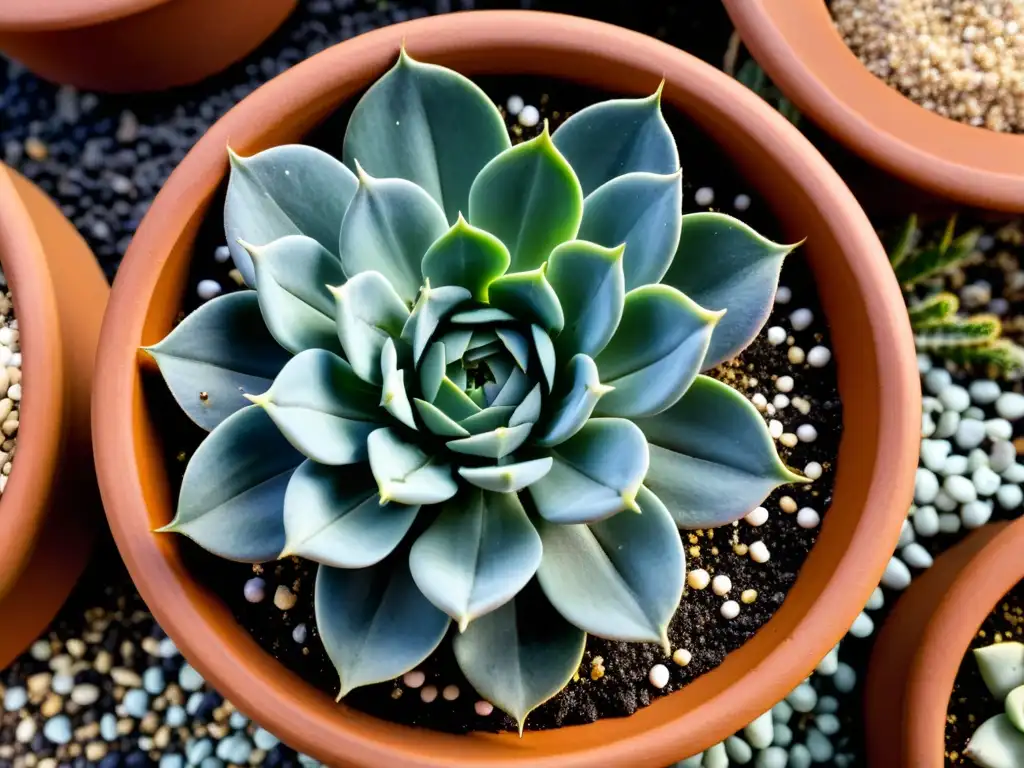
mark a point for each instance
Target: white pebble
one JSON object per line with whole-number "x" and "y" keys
{"x": 801, "y": 319}
{"x": 255, "y": 590}
{"x": 704, "y": 196}
{"x": 1010, "y": 405}
{"x": 802, "y": 405}
{"x": 916, "y": 556}
{"x": 949, "y": 522}
{"x": 970, "y": 433}
{"x": 450, "y": 692}
{"x": 944, "y": 502}
{"x": 428, "y": 693}
{"x": 974, "y": 412}
{"x": 784, "y": 383}
{"x": 934, "y": 453}
{"x": 807, "y": 433}
{"x": 926, "y": 486}
{"x": 759, "y": 401}
{"x": 845, "y": 678}
{"x": 515, "y": 104}
{"x": 783, "y": 295}
{"x": 976, "y": 459}
{"x": 775, "y": 428}
{"x": 14, "y": 393}
{"x": 682, "y": 657}
{"x": 1014, "y": 473}
{"x": 986, "y": 482}
{"x": 759, "y": 732}
{"x": 414, "y": 679}
{"x": 875, "y": 601}
{"x": 984, "y": 391}
{"x": 926, "y": 521}
{"x": 787, "y": 504}
{"x": 827, "y": 666}
{"x": 759, "y": 515}
{"x": 758, "y": 552}
{"x": 698, "y": 578}
{"x": 658, "y": 675}
{"x": 780, "y": 401}
{"x": 741, "y": 202}
{"x": 998, "y": 429}
{"x": 529, "y": 116}
{"x": 808, "y": 518}
{"x": 960, "y": 488}
{"x": 796, "y": 355}
{"x": 813, "y": 470}
{"x": 730, "y": 609}
{"x": 803, "y": 698}
{"x": 1009, "y": 496}
{"x": 906, "y": 534}
{"x": 946, "y": 425}
{"x": 776, "y": 335}
{"x": 221, "y": 254}
{"x": 937, "y": 379}
{"x": 862, "y": 626}
{"x": 896, "y": 575}
{"x": 955, "y": 465}
{"x": 773, "y": 757}
{"x": 721, "y": 585}
{"x": 819, "y": 356}
{"x": 975, "y": 514}
{"x": 208, "y": 289}
{"x": 927, "y": 425}
{"x": 924, "y": 363}
{"x": 299, "y": 633}
{"x": 1002, "y": 456}
{"x": 40, "y": 650}
{"x": 788, "y": 439}
{"x": 955, "y": 398}
{"x": 483, "y": 708}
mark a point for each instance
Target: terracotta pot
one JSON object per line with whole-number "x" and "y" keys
{"x": 50, "y": 508}
{"x": 134, "y": 45}
{"x": 877, "y": 376}
{"x": 797, "y": 45}
{"x": 926, "y": 637}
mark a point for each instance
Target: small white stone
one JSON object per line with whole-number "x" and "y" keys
{"x": 976, "y": 459}
{"x": 730, "y": 609}
{"x": 208, "y": 289}
{"x": 1010, "y": 405}
{"x": 970, "y": 433}
{"x": 769, "y": 409}
{"x": 946, "y": 425}
{"x": 758, "y": 552}
{"x": 998, "y": 429}
{"x": 698, "y": 578}
{"x": 803, "y": 698}
{"x": 1014, "y": 473}
{"x": 759, "y": 401}
{"x": 944, "y": 502}
{"x": 783, "y": 295}
{"x": 927, "y": 425}
{"x": 759, "y": 515}
{"x": 808, "y": 518}
{"x": 827, "y": 666}
{"x": 414, "y": 679}
{"x": 741, "y": 202}
{"x": 704, "y": 196}
{"x": 658, "y": 675}
{"x": 896, "y": 575}
{"x": 777, "y": 335}
{"x": 1002, "y": 456}
{"x": 960, "y": 488}
{"x": 819, "y": 356}
{"x": 780, "y": 401}
{"x": 721, "y": 585}
{"x": 775, "y": 428}
{"x": 862, "y": 626}
{"x": 875, "y": 601}
{"x": 801, "y": 404}
{"x": 807, "y": 433}
{"x": 954, "y": 465}
{"x": 984, "y": 391}
{"x": 787, "y": 504}
{"x": 949, "y": 522}
{"x": 529, "y": 116}
{"x": 784, "y": 383}
{"x": 906, "y": 534}
{"x": 682, "y": 657}
{"x": 955, "y": 398}
{"x": 796, "y": 355}
{"x": 14, "y": 393}
{"x": 450, "y": 692}
{"x": 428, "y": 693}
{"x": 813, "y": 470}
{"x": 937, "y": 379}
{"x": 483, "y": 708}
{"x": 975, "y": 514}
{"x": 515, "y": 104}
{"x": 916, "y": 556}
{"x": 845, "y": 678}
{"x": 788, "y": 439}
{"x": 924, "y": 363}
{"x": 934, "y": 453}
{"x": 986, "y": 482}
{"x": 1009, "y": 496}
{"x": 759, "y": 732}
{"x": 254, "y": 590}
{"x": 222, "y": 254}
{"x": 926, "y": 486}
{"x": 801, "y": 319}
{"x": 299, "y": 634}
{"x": 926, "y": 521}
{"x": 974, "y": 412}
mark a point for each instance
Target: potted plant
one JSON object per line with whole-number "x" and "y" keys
{"x": 879, "y": 439}
{"x": 52, "y": 305}
{"x": 923, "y": 678}
{"x": 134, "y": 45}
{"x": 799, "y": 47}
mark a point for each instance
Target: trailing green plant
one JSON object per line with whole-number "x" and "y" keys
{"x": 939, "y": 327}
{"x": 469, "y": 385}
{"x": 999, "y": 741}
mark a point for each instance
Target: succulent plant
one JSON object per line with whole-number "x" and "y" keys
{"x": 999, "y": 741}
{"x": 469, "y": 385}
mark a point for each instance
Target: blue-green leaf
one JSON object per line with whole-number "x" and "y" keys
{"x": 495, "y": 444}
{"x": 481, "y": 316}
{"x": 516, "y": 344}
{"x": 590, "y": 285}
{"x": 488, "y": 419}
{"x": 539, "y": 653}
{"x": 515, "y": 388}
{"x": 596, "y": 473}
{"x": 432, "y": 370}
{"x": 721, "y": 263}
{"x": 456, "y": 342}
{"x": 388, "y": 227}
{"x": 429, "y": 125}
{"x": 545, "y": 353}
{"x": 528, "y": 197}
{"x": 437, "y": 421}
{"x": 433, "y": 305}
{"x": 529, "y": 409}
{"x": 368, "y": 312}
{"x": 393, "y": 397}
{"x": 293, "y": 279}
{"x": 479, "y": 552}
{"x": 223, "y": 349}
{"x": 406, "y": 474}
{"x": 997, "y": 743}
{"x": 530, "y": 297}
{"x": 616, "y": 137}
{"x": 1001, "y": 666}
{"x": 293, "y": 189}
{"x": 507, "y": 478}
{"x": 232, "y": 496}
{"x": 656, "y": 351}
{"x": 332, "y": 515}
{"x": 573, "y": 407}
{"x": 642, "y": 210}
{"x": 712, "y": 459}
{"x": 374, "y": 623}
{"x": 322, "y": 407}
{"x": 454, "y": 402}
{"x": 467, "y": 257}
{"x": 635, "y": 562}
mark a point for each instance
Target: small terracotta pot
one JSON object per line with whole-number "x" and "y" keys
{"x": 50, "y": 508}
{"x": 920, "y": 649}
{"x": 134, "y": 45}
{"x": 798, "y": 46}
{"x": 877, "y": 377}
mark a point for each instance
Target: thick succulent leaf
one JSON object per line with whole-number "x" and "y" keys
{"x": 368, "y": 312}
{"x": 456, "y": 342}
{"x": 545, "y": 353}
{"x": 482, "y": 352}
{"x": 481, "y": 316}
{"x": 429, "y": 125}
{"x": 374, "y": 623}
{"x": 501, "y": 367}
{"x": 479, "y": 552}
{"x": 530, "y": 297}
{"x": 596, "y": 473}
{"x": 997, "y": 744}
{"x": 573, "y": 407}
{"x": 507, "y": 478}
{"x": 393, "y": 397}
{"x": 484, "y": 337}
{"x": 495, "y": 444}
{"x": 633, "y": 560}
{"x": 432, "y": 370}
{"x": 516, "y": 344}
{"x": 656, "y": 351}
{"x": 539, "y": 653}
{"x": 293, "y": 189}
{"x": 642, "y": 210}
{"x": 1001, "y": 666}
{"x": 406, "y": 474}
{"x": 467, "y": 257}
{"x": 721, "y": 263}
{"x": 432, "y": 306}
{"x": 232, "y": 496}
{"x": 488, "y": 419}
{"x": 437, "y": 421}
{"x": 322, "y": 407}
{"x": 1015, "y": 707}
{"x": 615, "y": 137}
{"x": 223, "y": 349}
{"x": 388, "y": 227}
{"x": 457, "y": 375}
{"x": 454, "y": 401}
{"x": 293, "y": 275}
{"x": 332, "y": 515}
{"x": 516, "y": 387}
{"x": 590, "y": 285}
{"x": 529, "y": 197}
{"x": 529, "y": 409}
{"x": 712, "y": 459}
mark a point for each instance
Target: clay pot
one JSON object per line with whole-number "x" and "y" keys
{"x": 50, "y": 508}
{"x": 134, "y": 45}
{"x": 877, "y": 377}
{"x": 798, "y": 46}
{"x": 919, "y": 651}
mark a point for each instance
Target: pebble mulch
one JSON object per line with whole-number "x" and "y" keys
{"x": 10, "y": 382}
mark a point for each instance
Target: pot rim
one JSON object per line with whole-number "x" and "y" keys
{"x": 49, "y": 15}
{"x": 521, "y": 42}
{"x": 42, "y": 415}
{"x": 798, "y": 46}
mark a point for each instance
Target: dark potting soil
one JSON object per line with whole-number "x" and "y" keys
{"x": 971, "y": 704}
{"x": 698, "y": 625}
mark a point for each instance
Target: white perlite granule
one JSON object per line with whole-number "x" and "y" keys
{"x": 962, "y": 59}
{"x": 10, "y": 385}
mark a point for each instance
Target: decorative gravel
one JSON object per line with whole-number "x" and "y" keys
{"x": 10, "y": 382}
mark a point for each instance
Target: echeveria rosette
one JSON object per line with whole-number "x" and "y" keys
{"x": 468, "y": 382}
{"x": 999, "y": 741}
